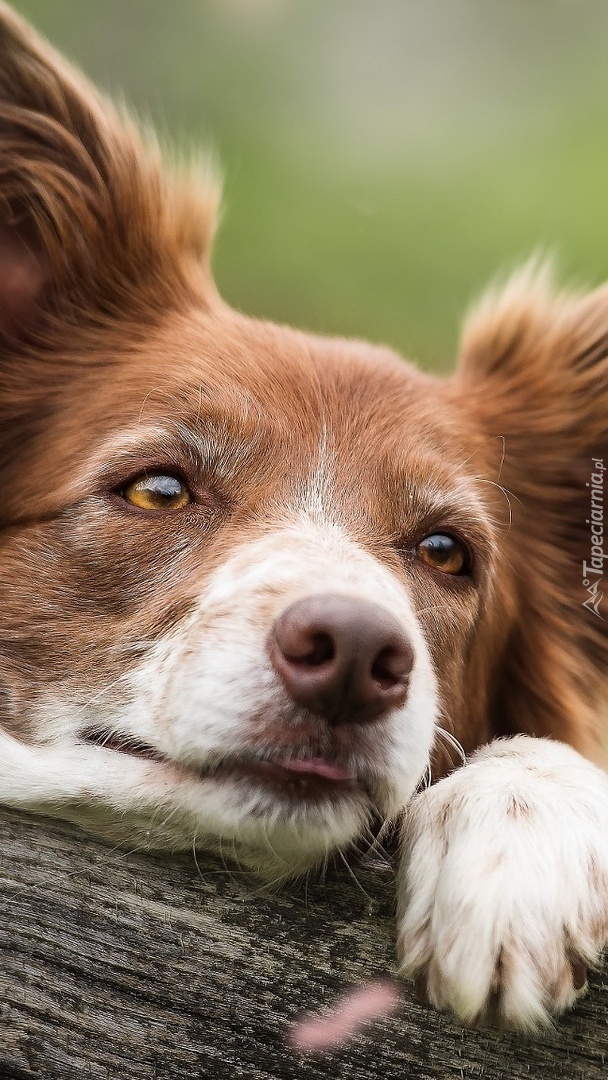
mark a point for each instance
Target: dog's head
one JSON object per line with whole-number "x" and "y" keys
{"x": 247, "y": 575}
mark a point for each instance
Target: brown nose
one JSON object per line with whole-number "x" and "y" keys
{"x": 343, "y": 658}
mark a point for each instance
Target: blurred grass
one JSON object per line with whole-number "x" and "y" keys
{"x": 381, "y": 162}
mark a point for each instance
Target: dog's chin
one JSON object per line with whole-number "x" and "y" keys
{"x": 271, "y": 845}
{"x": 278, "y": 817}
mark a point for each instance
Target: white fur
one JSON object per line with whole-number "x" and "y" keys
{"x": 504, "y": 880}
{"x": 202, "y": 695}
{"x": 505, "y": 875}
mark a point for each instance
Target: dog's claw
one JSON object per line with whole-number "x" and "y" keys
{"x": 579, "y": 972}
{"x": 421, "y": 988}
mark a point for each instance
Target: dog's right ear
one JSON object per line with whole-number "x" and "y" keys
{"x": 90, "y": 222}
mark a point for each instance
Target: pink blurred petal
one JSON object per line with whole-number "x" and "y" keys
{"x": 351, "y": 1012}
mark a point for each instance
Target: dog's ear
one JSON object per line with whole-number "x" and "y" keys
{"x": 89, "y": 220}
{"x": 534, "y": 379}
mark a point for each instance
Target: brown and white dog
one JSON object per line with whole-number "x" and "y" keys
{"x": 254, "y": 582}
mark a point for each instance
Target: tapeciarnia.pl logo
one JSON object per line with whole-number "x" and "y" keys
{"x": 594, "y": 569}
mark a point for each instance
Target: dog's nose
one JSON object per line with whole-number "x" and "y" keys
{"x": 343, "y": 658}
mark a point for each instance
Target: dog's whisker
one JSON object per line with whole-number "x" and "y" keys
{"x": 257, "y": 586}
{"x": 353, "y": 875}
{"x": 452, "y": 742}
{"x": 508, "y": 495}
{"x": 123, "y": 678}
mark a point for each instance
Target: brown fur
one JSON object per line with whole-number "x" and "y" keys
{"x": 110, "y": 323}
{"x": 534, "y": 370}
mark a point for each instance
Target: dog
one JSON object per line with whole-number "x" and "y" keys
{"x": 258, "y": 588}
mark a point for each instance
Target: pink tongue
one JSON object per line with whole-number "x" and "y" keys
{"x": 316, "y": 767}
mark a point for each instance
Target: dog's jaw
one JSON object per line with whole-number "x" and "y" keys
{"x": 199, "y": 744}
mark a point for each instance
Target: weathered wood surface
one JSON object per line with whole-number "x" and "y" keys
{"x": 118, "y": 966}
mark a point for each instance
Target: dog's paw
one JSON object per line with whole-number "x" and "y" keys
{"x": 503, "y": 899}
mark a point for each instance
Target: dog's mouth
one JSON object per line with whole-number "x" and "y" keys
{"x": 292, "y": 775}
{"x": 121, "y": 744}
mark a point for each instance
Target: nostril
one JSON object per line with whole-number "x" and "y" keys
{"x": 302, "y": 645}
{"x": 381, "y": 671}
{"x": 392, "y": 666}
{"x": 319, "y": 649}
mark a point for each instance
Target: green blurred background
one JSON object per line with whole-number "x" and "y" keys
{"x": 382, "y": 158}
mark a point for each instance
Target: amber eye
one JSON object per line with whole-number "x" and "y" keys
{"x": 444, "y": 553}
{"x": 157, "y": 491}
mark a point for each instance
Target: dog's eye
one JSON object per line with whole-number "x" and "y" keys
{"x": 444, "y": 553}
{"x": 157, "y": 491}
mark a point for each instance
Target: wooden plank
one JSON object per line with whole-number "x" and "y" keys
{"x": 126, "y": 966}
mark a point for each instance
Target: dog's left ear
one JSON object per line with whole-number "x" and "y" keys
{"x": 91, "y": 223}
{"x": 533, "y": 383}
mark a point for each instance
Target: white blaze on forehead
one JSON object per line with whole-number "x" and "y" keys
{"x": 315, "y": 495}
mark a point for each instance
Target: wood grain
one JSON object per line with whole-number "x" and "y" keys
{"x": 125, "y": 966}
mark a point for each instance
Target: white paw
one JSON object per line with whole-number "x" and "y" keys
{"x": 503, "y": 897}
